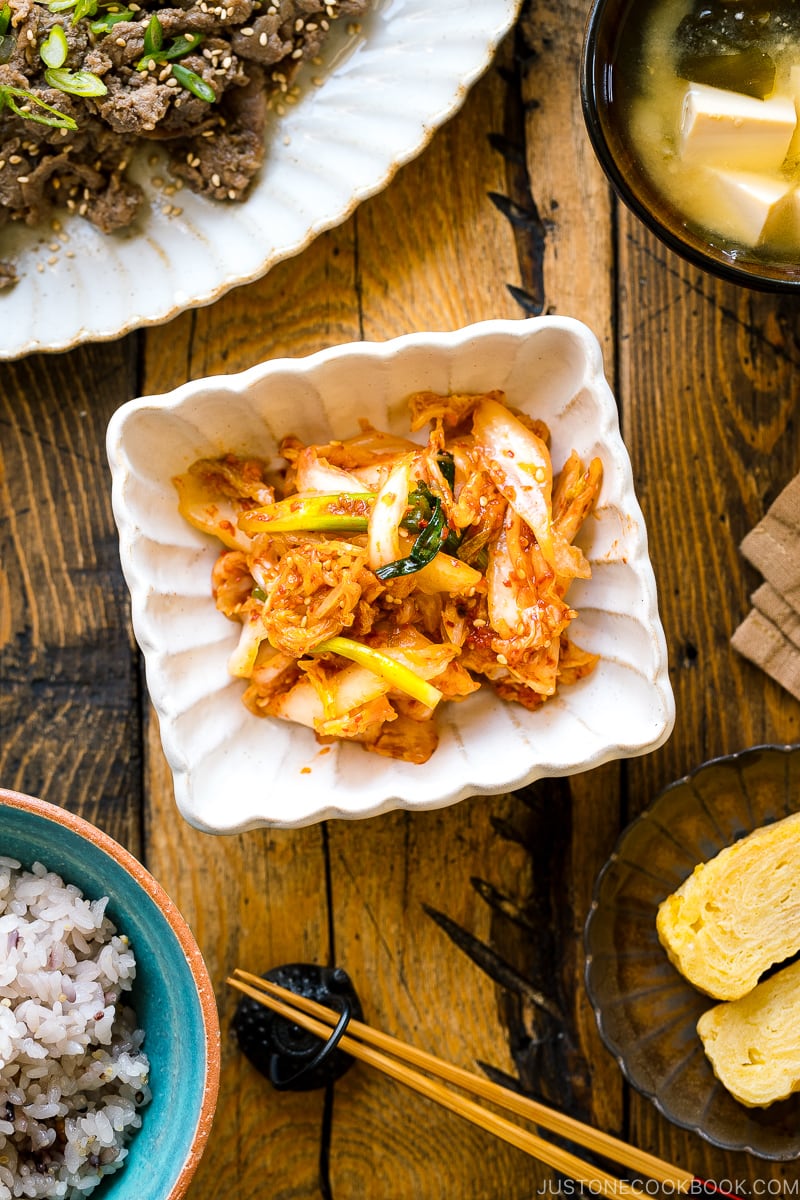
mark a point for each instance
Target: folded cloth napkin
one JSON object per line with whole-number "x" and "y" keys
{"x": 769, "y": 636}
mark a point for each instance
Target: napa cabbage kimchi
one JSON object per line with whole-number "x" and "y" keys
{"x": 375, "y": 577}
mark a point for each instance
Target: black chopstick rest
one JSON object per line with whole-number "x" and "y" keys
{"x": 290, "y": 1057}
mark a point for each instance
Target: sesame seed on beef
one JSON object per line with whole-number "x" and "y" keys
{"x": 249, "y": 51}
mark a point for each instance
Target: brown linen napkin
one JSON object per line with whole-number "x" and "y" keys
{"x": 764, "y": 644}
{"x": 769, "y": 636}
{"x": 774, "y": 608}
{"x": 773, "y": 545}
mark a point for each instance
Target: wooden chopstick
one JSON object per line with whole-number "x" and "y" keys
{"x": 389, "y": 1054}
{"x": 559, "y": 1159}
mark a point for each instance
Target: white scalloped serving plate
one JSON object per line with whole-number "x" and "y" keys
{"x": 384, "y": 93}
{"x": 233, "y": 771}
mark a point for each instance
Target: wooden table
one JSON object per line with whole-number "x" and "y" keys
{"x": 450, "y": 922}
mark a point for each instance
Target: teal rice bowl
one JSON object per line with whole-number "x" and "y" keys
{"x": 170, "y": 999}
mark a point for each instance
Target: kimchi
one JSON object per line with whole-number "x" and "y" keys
{"x": 377, "y": 577}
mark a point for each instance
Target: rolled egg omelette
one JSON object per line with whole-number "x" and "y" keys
{"x": 737, "y": 914}
{"x": 753, "y": 1044}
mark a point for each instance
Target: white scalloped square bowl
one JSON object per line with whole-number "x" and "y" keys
{"x": 234, "y": 771}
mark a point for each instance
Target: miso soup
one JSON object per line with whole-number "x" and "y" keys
{"x": 711, "y": 93}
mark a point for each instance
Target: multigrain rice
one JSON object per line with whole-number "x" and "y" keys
{"x": 73, "y": 1074}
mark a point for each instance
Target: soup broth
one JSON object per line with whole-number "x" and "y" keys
{"x": 712, "y": 116}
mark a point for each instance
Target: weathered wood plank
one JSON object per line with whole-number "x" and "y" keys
{"x": 69, "y": 689}
{"x": 710, "y": 385}
{"x": 569, "y": 192}
{"x": 434, "y": 253}
{"x": 271, "y": 904}
{"x": 390, "y": 876}
{"x": 462, "y": 928}
{"x": 574, "y": 276}
{"x": 254, "y": 901}
{"x": 399, "y": 264}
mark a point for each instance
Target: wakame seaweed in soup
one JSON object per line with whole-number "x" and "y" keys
{"x": 712, "y": 116}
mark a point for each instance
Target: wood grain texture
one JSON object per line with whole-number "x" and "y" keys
{"x": 270, "y": 897}
{"x": 710, "y": 384}
{"x": 466, "y": 905}
{"x": 423, "y": 988}
{"x": 69, "y": 684}
{"x": 462, "y": 928}
{"x": 568, "y": 190}
{"x": 258, "y": 899}
{"x": 573, "y": 275}
{"x": 412, "y": 258}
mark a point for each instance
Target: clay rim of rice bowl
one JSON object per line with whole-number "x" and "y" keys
{"x": 605, "y": 29}
{"x": 53, "y": 814}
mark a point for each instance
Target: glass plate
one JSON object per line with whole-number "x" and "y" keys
{"x": 645, "y": 1010}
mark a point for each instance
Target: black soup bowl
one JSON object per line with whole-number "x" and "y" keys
{"x": 619, "y": 54}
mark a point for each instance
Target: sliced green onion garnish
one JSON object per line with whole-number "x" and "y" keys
{"x": 347, "y": 511}
{"x": 422, "y": 504}
{"x": 84, "y": 8}
{"x": 193, "y": 83}
{"x": 110, "y": 19}
{"x": 48, "y": 116}
{"x": 427, "y": 545}
{"x": 57, "y": 6}
{"x": 153, "y": 36}
{"x": 179, "y": 47}
{"x": 446, "y": 464}
{"x": 5, "y": 18}
{"x": 182, "y": 45}
{"x": 481, "y": 560}
{"x": 350, "y": 511}
{"x": 8, "y": 44}
{"x": 420, "y": 507}
{"x": 475, "y": 550}
{"x": 76, "y": 83}
{"x": 395, "y": 673}
{"x": 53, "y": 50}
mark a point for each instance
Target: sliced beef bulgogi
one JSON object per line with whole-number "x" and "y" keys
{"x": 82, "y": 82}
